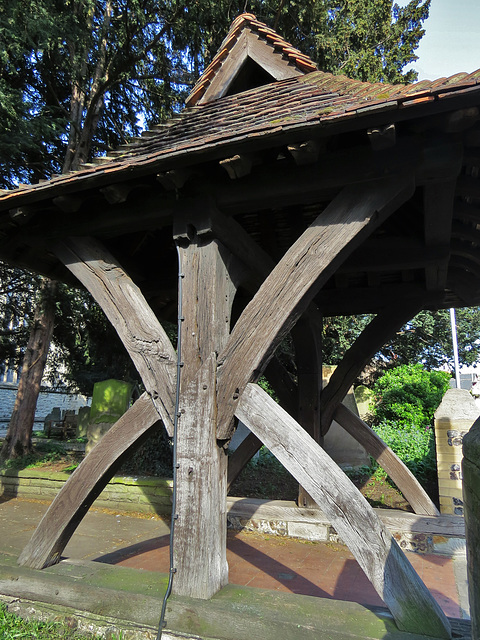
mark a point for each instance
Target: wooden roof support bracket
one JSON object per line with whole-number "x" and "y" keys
{"x": 388, "y": 569}
{"x": 174, "y": 179}
{"x": 300, "y": 274}
{"x": 116, "y": 193}
{"x": 238, "y": 166}
{"x": 382, "y": 137}
{"x": 68, "y": 204}
{"x": 305, "y": 152}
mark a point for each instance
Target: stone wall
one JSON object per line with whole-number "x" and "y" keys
{"x": 453, "y": 419}
{"x": 142, "y": 494}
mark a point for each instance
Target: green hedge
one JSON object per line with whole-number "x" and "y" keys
{"x": 405, "y": 400}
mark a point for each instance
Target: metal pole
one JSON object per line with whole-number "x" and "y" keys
{"x": 455, "y": 347}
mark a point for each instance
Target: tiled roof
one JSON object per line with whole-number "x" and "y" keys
{"x": 249, "y": 21}
{"x": 288, "y": 106}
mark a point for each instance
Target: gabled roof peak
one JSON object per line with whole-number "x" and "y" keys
{"x": 253, "y": 49}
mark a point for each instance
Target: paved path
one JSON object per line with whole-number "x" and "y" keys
{"x": 322, "y": 569}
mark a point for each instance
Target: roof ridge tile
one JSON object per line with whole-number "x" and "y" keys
{"x": 247, "y": 20}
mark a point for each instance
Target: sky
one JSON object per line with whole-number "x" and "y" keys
{"x": 452, "y": 39}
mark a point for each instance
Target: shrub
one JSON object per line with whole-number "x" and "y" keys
{"x": 405, "y": 400}
{"x": 408, "y": 396}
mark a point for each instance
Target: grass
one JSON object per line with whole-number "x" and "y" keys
{"x": 44, "y": 453}
{"x": 12, "y": 627}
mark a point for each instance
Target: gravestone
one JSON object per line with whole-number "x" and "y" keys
{"x": 453, "y": 419}
{"x": 83, "y": 422}
{"x": 110, "y": 400}
{"x": 364, "y": 397}
{"x": 339, "y": 444}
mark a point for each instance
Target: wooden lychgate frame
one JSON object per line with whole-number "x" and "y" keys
{"x": 277, "y": 205}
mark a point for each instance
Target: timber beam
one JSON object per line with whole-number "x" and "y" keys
{"x": 300, "y": 274}
{"x": 368, "y": 343}
{"x": 307, "y": 341}
{"x": 86, "y": 483}
{"x": 124, "y": 305}
{"x": 207, "y": 292}
{"x": 393, "y": 577}
{"x": 438, "y": 207}
{"x": 404, "y": 479}
{"x": 287, "y": 393}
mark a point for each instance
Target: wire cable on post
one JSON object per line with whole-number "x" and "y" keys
{"x": 175, "y": 464}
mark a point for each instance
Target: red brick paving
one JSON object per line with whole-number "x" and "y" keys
{"x": 320, "y": 569}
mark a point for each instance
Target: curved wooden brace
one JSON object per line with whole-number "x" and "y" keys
{"x": 241, "y": 456}
{"x": 300, "y": 274}
{"x": 124, "y": 305}
{"x": 393, "y": 577}
{"x": 86, "y": 483}
{"x": 372, "y": 338}
{"x": 389, "y": 461}
{"x": 286, "y": 390}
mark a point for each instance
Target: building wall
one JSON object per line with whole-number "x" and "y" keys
{"x": 47, "y": 400}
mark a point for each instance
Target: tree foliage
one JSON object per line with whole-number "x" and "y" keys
{"x": 405, "y": 400}
{"x": 80, "y": 76}
{"x": 408, "y": 396}
{"x": 426, "y": 339}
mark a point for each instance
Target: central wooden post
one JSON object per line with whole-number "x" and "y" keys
{"x": 200, "y": 529}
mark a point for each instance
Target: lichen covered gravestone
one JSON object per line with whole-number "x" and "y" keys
{"x": 110, "y": 400}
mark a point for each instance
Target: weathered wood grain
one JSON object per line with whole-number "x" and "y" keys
{"x": 207, "y": 297}
{"x": 393, "y": 577}
{"x": 200, "y": 554}
{"x": 287, "y": 393}
{"x": 307, "y": 341}
{"x": 200, "y": 530}
{"x": 395, "y": 521}
{"x": 299, "y": 275}
{"x": 438, "y": 206}
{"x": 389, "y": 461}
{"x": 86, "y": 483}
{"x": 368, "y": 343}
{"x": 241, "y": 456}
{"x": 124, "y": 305}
